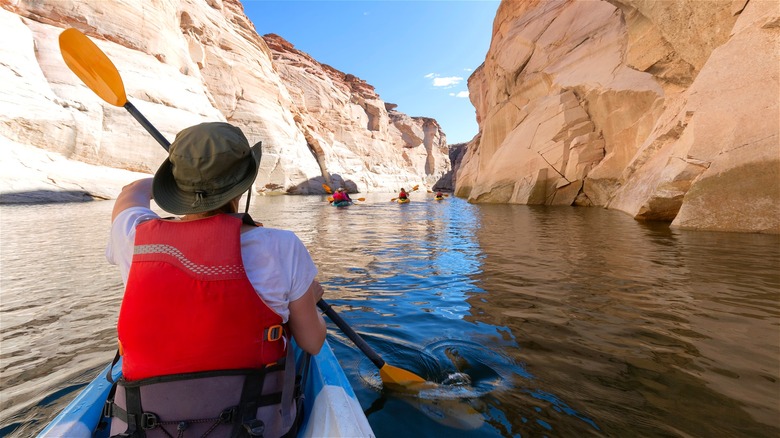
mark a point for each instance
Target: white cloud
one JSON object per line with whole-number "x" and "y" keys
{"x": 430, "y": 75}
{"x": 448, "y": 81}
{"x": 460, "y": 94}
{"x": 468, "y": 69}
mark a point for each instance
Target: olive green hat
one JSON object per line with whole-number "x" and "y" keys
{"x": 208, "y": 165}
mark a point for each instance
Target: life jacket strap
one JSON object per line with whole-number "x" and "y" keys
{"x": 150, "y": 420}
{"x": 109, "y": 375}
{"x": 243, "y": 416}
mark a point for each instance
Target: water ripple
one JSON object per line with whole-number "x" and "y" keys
{"x": 532, "y": 321}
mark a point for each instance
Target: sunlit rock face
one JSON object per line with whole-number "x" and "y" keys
{"x": 357, "y": 135}
{"x": 664, "y": 110}
{"x": 191, "y": 61}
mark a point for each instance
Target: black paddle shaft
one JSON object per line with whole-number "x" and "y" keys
{"x": 147, "y": 125}
{"x": 351, "y": 334}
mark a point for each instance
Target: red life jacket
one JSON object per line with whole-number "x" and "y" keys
{"x": 189, "y": 306}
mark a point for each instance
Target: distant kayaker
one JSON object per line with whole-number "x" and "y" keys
{"x": 211, "y": 298}
{"x": 439, "y": 194}
{"x": 403, "y": 194}
{"x": 341, "y": 195}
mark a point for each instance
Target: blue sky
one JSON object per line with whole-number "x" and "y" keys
{"x": 417, "y": 54}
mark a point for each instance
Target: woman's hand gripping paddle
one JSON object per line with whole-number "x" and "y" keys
{"x": 390, "y": 375}
{"x": 93, "y": 67}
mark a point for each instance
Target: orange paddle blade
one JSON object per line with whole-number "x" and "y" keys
{"x": 92, "y": 66}
{"x": 361, "y": 199}
{"x": 330, "y": 198}
{"x": 397, "y": 376}
{"x": 327, "y": 188}
{"x": 415, "y": 188}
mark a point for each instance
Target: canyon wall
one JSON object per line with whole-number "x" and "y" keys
{"x": 667, "y": 111}
{"x": 182, "y": 63}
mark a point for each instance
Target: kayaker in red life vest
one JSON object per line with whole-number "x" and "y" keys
{"x": 403, "y": 194}
{"x": 211, "y": 298}
{"x": 439, "y": 194}
{"x": 341, "y": 195}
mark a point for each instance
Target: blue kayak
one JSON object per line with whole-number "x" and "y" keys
{"x": 330, "y": 405}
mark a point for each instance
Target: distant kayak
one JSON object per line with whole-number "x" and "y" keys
{"x": 403, "y": 201}
{"x": 439, "y": 198}
{"x": 341, "y": 203}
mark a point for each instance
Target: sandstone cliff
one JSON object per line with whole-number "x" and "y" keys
{"x": 664, "y": 110}
{"x": 189, "y": 61}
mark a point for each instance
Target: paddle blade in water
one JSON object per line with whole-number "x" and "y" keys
{"x": 92, "y": 66}
{"x": 361, "y": 199}
{"x": 396, "y": 376}
{"x": 330, "y": 198}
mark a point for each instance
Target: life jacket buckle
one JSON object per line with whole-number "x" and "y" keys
{"x": 149, "y": 420}
{"x": 228, "y": 415}
{"x": 108, "y": 408}
{"x": 254, "y": 427}
{"x": 275, "y": 333}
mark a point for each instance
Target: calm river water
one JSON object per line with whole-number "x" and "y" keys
{"x": 557, "y": 322}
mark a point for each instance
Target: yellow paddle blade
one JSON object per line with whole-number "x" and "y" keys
{"x": 396, "y": 376}
{"x": 92, "y": 66}
{"x": 393, "y": 200}
{"x": 327, "y": 188}
{"x": 330, "y": 198}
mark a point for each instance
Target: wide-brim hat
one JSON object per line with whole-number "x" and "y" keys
{"x": 208, "y": 165}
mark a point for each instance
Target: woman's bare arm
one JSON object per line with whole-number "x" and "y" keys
{"x": 135, "y": 194}
{"x": 306, "y": 323}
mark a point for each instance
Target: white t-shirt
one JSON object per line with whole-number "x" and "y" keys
{"x": 276, "y": 262}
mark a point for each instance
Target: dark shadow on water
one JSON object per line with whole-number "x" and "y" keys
{"x": 45, "y": 197}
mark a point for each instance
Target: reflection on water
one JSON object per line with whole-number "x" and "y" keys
{"x": 651, "y": 332}
{"x": 531, "y": 321}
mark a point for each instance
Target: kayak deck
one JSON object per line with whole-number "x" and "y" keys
{"x": 330, "y": 405}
